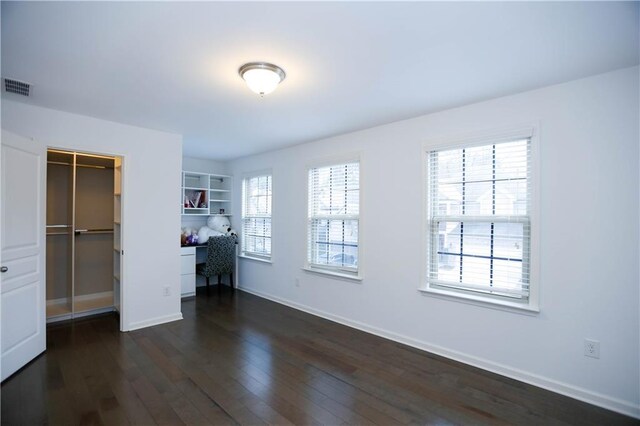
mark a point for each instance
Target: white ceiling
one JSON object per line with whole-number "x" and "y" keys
{"x": 173, "y": 66}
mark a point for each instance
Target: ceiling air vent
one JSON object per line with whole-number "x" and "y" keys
{"x": 17, "y": 87}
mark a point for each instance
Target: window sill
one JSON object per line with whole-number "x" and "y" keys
{"x": 333, "y": 274}
{"x": 257, "y": 259}
{"x": 502, "y": 305}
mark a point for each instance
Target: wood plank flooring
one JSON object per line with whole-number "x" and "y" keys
{"x": 239, "y": 359}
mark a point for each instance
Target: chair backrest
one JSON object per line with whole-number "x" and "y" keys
{"x": 221, "y": 253}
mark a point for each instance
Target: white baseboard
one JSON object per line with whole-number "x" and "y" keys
{"x": 595, "y": 398}
{"x": 154, "y": 321}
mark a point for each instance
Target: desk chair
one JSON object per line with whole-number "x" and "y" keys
{"x": 221, "y": 253}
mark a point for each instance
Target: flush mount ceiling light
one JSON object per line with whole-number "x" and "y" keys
{"x": 262, "y": 77}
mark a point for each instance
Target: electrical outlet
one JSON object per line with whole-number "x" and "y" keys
{"x": 297, "y": 282}
{"x": 592, "y": 348}
{"x": 167, "y": 291}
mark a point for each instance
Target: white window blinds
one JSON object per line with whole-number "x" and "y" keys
{"x": 479, "y": 219}
{"x": 333, "y": 221}
{"x": 256, "y": 217}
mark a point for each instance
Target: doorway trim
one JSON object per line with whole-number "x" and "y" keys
{"x": 123, "y": 326}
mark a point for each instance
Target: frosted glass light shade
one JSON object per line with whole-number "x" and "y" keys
{"x": 262, "y": 78}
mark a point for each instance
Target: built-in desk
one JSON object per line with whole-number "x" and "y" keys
{"x": 189, "y": 256}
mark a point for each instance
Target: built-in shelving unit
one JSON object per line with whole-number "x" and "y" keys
{"x": 117, "y": 232}
{"x": 205, "y": 194}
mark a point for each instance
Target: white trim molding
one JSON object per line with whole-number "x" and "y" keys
{"x": 481, "y": 137}
{"x": 357, "y": 274}
{"x": 154, "y": 321}
{"x": 243, "y": 205}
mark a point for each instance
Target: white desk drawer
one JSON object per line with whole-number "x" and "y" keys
{"x": 187, "y": 250}
{"x": 188, "y": 264}
{"x": 187, "y": 285}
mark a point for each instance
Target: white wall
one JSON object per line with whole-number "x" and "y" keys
{"x": 204, "y": 165}
{"x": 151, "y": 216}
{"x": 588, "y": 229}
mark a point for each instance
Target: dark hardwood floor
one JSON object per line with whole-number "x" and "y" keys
{"x": 239, "y": 359}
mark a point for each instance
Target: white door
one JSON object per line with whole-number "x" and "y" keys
{"x": 22, "y": 238}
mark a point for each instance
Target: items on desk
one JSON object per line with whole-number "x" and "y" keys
{"x": 188, "y": 236}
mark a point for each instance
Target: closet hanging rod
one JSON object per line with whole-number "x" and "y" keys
{"x": 58, "y": 226}
{"x": 94, "y": 231}
{"x": 60, "y": 163}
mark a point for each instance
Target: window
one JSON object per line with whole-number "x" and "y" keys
{"x": 333, "y": 222}
{"x": 256, "y": 217}
{"x": 479, "y": 222}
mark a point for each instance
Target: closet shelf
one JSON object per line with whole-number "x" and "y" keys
{"x": 57, "y": 308}
{"x": 94, "y": 301}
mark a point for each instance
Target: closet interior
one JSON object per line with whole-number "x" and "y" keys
{"x": 83, "y": 234}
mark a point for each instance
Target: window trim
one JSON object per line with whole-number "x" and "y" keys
{"x": 335, "y": 272}
{"x": 479, "y": 138}
{"x": 245, "y": 178}
{"x": 256, "y": 258}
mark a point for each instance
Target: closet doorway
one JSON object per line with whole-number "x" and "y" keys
{"x": 84, "y": 234}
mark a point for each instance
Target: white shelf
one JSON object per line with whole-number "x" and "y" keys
{"x": 58, "y": 307}
{"x": 217, "y": 189}
{"x": 94, "y": 301}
